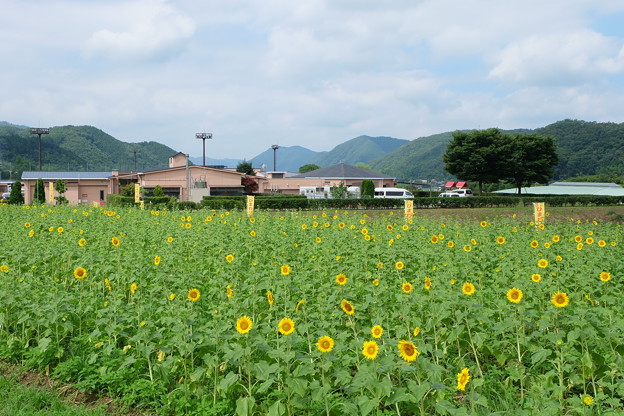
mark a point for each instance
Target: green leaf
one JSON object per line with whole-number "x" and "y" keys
{"x": 418, "y": 390}
{"x": 244, "y": 406}
{"x": 198, "y": 374}
{"x": 540, "y": 355}
{"x": 297, "y": 385}
{"x": 277, "y": 409}
{"x": 366, "y": 405}
{"x": 228, "y": 381}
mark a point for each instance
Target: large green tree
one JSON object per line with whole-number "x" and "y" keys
{"x": 528, "y": 159}
{"x": 308, "y": 168}
{"x": 246, "y": 168}
{"x": 368, "y": 189}
{"x": 475, "y": 155}
{"x": 16, "y": 196}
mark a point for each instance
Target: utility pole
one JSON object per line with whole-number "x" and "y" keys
{"x": 135, "y": 159}
{"x": 203, "y": 136}
{"x": 39, "y": 131}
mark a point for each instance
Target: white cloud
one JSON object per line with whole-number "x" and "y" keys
{"x": 560, "y": 59}
{"x": 147, "y": 30}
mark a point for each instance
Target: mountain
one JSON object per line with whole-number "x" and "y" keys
{"x": 287, "y": 158}
{"x": 587, "y": 148}
{"x": 228, "y": 163}
{"x": 79, "y": 148}
{"x": 361, "y": 149}
{"x": 584, "y": 148}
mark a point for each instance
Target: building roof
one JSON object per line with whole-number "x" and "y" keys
{"x": 571, "y": 188}
{"x": 343, "y": 171}
{"x": 69, "y": 175}
{"x": 194, "y": 167}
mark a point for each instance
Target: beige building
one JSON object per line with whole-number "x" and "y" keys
{"x": 283, "y": 182}
{"x": 192, "y": 182}
{"x": 81, "y": 187}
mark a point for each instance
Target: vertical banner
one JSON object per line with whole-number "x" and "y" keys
{"x": 250, "y": 205}
{"x": 409, "y": 208}
{"x": 142, "y": 204}
{"x": 51, "y": 192}
{"x": 538, "y": 210}
{"x": 137, "y": 193}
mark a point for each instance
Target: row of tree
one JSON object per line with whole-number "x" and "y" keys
{"x": 490, "y": 156}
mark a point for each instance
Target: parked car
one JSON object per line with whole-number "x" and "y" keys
{"x": 5, "y": 196}
{"x": 393, "y": 193}
{"x": 448, "y": 194}
{"x": 463, "y": 192}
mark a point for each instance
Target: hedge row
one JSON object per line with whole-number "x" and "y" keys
{"x": 302, "y": 203}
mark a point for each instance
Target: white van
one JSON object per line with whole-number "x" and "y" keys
{"x": 393, "y": 193}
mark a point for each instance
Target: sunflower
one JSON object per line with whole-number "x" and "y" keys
{"x": 427, "y": 282}
{"x": 364, "y": 231}
{"x": 31, "y": 233}
{"x": 229, "y": 258}
{"x": 341, "y": 225}
{"x": 133, "y": 288}
{"x": 468, "y": 289}
{"x": 588, "y": 400}
{"x": 80, "y": 273}
{"x": 156, "y": 260}
{"x": 285, "y": 269}
{"x": 341, "y": 279}
{"x": 229, "y": 291}
{"x": 467, "y": 249}
{"x": 376, "y": 282}
{"x": 578, "y": 239}
{"x": 483, "y": 224}
{"x": 514, "y": 295}
{"x": 560, "y": 299}
{"x": 500, "y": 240}
{"x": 347, "y": 307}
{"x": 318, "y": 239}
{"x": 463, "y": 377}
{"x": 389, "y": 227}
{"x": 115, "y": 242}
{"x": 170, "y": 239}
{"x": 605, "y": 276}
{"x": 558, "y": 258}
{"x": 325, "y": 344}
{"x": 370, "y": 350}
{"x": 589, "y": 240}
{"x": 556, "y": 238}
{"x": 172, "y": 296}
{"x": 286, "y": 326}
{"x": 82, "y": 242}
{"x": 407, "y": 351}
{"x": 243, "y": 324}
{"x": 416, "y": 331}
{"x": 434, "y": 239}
{"x": 399, "y": 265}
{"x": 450, "y": 244}
{"x": 534, "y": 243}
{"x": 194, "y": 295}
{"x": 542, "y": 263}
{"x": 602, "y": 243}
{"x": 536, "y": 277}
{"x": 299, "y": 304}
{"x": 377, "y": 331}
{"x": 270, "y": 298}
{"x": 252, "y": 233}
{"x": 60, "y": 230}
{"x": 405, "y": 227}
{"x": 4, "y": 268}
{"x": 304, "y": 226}
{"x": 27, "y": 225}
{"x": 579, "y": 246}
{"x": 407, "y": 287}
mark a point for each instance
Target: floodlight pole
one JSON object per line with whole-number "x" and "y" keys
{"x": 39, "y": 132}
{"x": 203, "y": 136}
{"x": 274, "y": 147}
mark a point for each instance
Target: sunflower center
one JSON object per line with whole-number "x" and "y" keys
{"x": 244, "y": 325}
{"x": 371, "y": 350}
{"x": 408, "y": 349}
{"x": 325, "y": 344}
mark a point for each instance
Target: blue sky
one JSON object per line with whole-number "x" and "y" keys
{"x": 315, "y": 73}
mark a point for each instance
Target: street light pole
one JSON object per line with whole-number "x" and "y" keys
{"x": 274, "y": 147}
{"x": 203, "y": 136}
{"x": 39, "y": 132}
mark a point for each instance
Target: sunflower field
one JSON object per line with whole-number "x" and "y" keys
{"x": 328, "y": 313}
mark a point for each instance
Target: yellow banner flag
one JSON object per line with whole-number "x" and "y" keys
{"x": 51, "y": 192}
{"x": 250, "y": 205}
{"x": 409, "y": 208}
{"x": 538, "y": 211}
{"x": 137, "y": 193}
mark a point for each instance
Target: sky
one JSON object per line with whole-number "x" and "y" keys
{"x": 312, "y": 73}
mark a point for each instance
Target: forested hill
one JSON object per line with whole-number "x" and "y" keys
{"x": 587, "y": 148}
{"x": 77, "y": 148}
{"x": 584, "y": 148}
